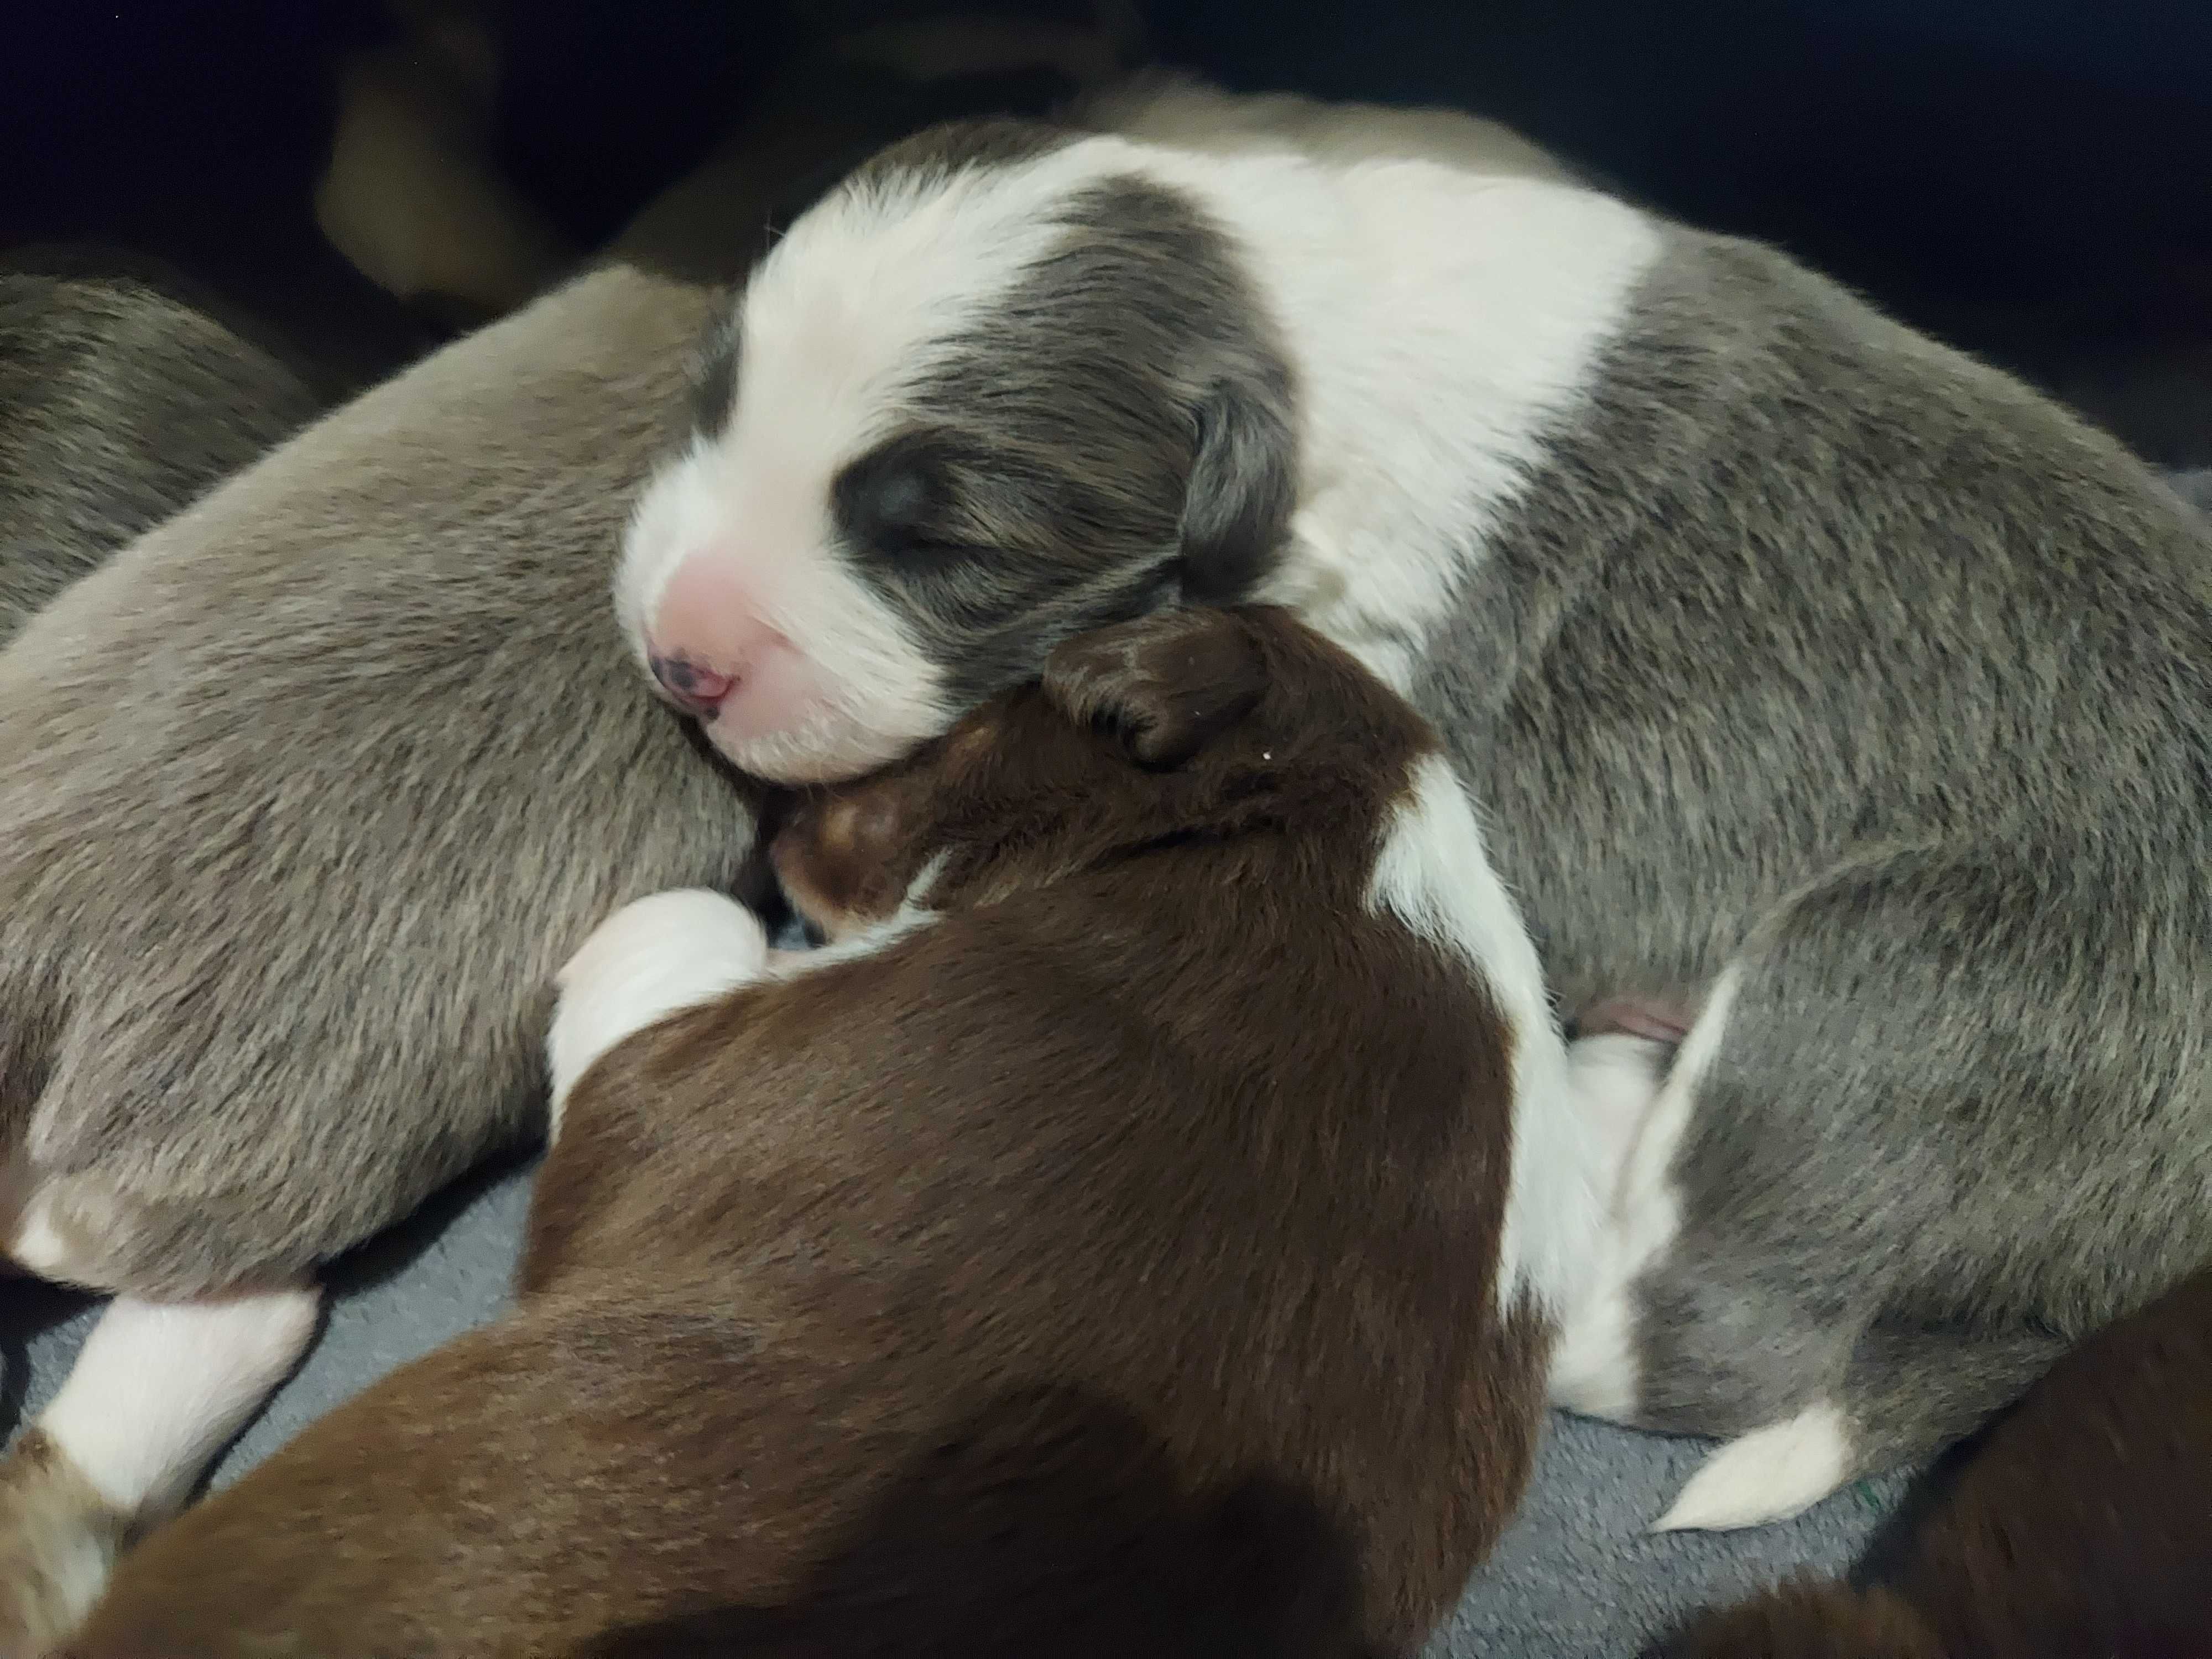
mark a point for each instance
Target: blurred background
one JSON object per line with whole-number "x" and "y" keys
{"x": 2028, "y": 178}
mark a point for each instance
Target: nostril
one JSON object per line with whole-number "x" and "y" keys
{"x": 699, "y": 690}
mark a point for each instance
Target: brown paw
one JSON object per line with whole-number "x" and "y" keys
{"x": 59, "y": 1541}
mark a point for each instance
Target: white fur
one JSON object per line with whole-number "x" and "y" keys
{"x": 75, "y": 1560}
{"x": 159, "y": 1387}
{"x": 1442, "y": 305}
{"x": 1617, "y": 1077}
{"x": 840, "y": 318}
{"x": 1434, "y": 874}
{"x": 1594, "y": 1368}
{"x": 1440, "y": 320}
{"x": 37, "y": 1246}
{"x": 650, "y": 959}
{"x": 878, "y": 694}
{"x": 1768, "y": 1474}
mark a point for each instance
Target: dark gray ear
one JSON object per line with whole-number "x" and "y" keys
{"x": 1242, "y": 486}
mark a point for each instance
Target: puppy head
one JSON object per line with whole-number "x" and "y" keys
{"x": 1000, "y": 387}
{"x": 1186, "y": 724}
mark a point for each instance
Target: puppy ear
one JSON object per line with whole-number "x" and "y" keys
{"x": 1168, "y": 683}
{"x": 1242, "y": 485}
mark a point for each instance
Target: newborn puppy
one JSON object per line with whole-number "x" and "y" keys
{"x": 1138, "y": 1232}
{"x": 2079, "y": 1525}
{"x": 1840, "y": 705}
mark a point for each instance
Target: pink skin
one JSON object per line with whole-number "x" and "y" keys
{"x": 1661, "y": 1022}
{"x": 715, "y": 658}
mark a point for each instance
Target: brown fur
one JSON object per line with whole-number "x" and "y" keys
{"x": 2079, "y": 1528}
{"x": 1107, "y": 1266}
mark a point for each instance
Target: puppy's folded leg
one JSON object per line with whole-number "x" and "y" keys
{"x": 1616, "y": 1078}
{"x": 156, "y": 1393}
{"x": 650, "y": 959}
{"x": 1945, "y": 1108}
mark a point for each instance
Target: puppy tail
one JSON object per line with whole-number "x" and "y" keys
{"x": 1806, "y": 1619}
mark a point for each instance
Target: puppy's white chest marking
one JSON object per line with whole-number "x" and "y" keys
{"x": 1434, "y": 875}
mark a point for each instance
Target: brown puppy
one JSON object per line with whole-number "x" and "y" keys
{"x": 1135, "y": 1233}
{"x": 2081, "y": 1527}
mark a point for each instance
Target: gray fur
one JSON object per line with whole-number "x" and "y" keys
{"x": 1812, "y": 647}
{"x": 1818, "y": 648}
{"x": 119, "y": 404}
{"x": 304, "y": 796}
{"x": 1115, "y": 433}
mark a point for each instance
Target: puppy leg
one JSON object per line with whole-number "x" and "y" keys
{"x": 1942, "y": 1094}
{"x": 158, "y": 1390}
{"x": 1616, "y": 1080}
{"x": 650, "y": 959}
{"x": 1913, "y": 1388}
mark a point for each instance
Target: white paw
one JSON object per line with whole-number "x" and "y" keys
{"x": 1594, "y": 1368}
{"x": 1616, "y": 1081}
{"x": 1768, "y": 1474}
{"x": 650, "y": 959}
{"x": 1616, "y": 1078}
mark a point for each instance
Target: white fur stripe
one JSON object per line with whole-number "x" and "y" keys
{"x": 1434, "y": 874}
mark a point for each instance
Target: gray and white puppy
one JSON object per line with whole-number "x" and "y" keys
{"x": 120, "y": 403}
{"x": 1828, "y": 694}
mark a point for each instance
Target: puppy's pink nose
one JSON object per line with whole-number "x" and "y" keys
{"x": 707, "y": 643}
{"x": 698, "y": 690}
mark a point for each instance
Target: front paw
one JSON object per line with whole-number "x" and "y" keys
{"x": 648, "y": 960}
{"x": 58, "y": 1543}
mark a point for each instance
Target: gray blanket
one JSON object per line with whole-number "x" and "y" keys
{"x": 1576, "y": 1578}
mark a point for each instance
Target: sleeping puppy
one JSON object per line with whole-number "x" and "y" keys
{"x": 121, "y": 401}
{"x": 1138, "y": 1232}
{"x": 304, "y": 795}
{"x": 1841, "y": 705}
{"x": 2079, "y": 1525}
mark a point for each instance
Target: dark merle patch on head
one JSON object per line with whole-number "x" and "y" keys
{"x": 1118, "y": 433}
{"x": 902, "y": 498}
{"x": 953, "y": 133}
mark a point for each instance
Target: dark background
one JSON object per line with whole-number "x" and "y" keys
{"x": 2024, "y": 176}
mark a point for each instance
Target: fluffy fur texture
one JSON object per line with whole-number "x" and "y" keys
{"x": 1775, "y": 640}
{"x": 120, "y": 403}
{"x": 2077, "y": 1525}
{"x": 1010, "y": 382}
{"x": 305, "y": 794}
{"x": 1105, "y": 1263}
